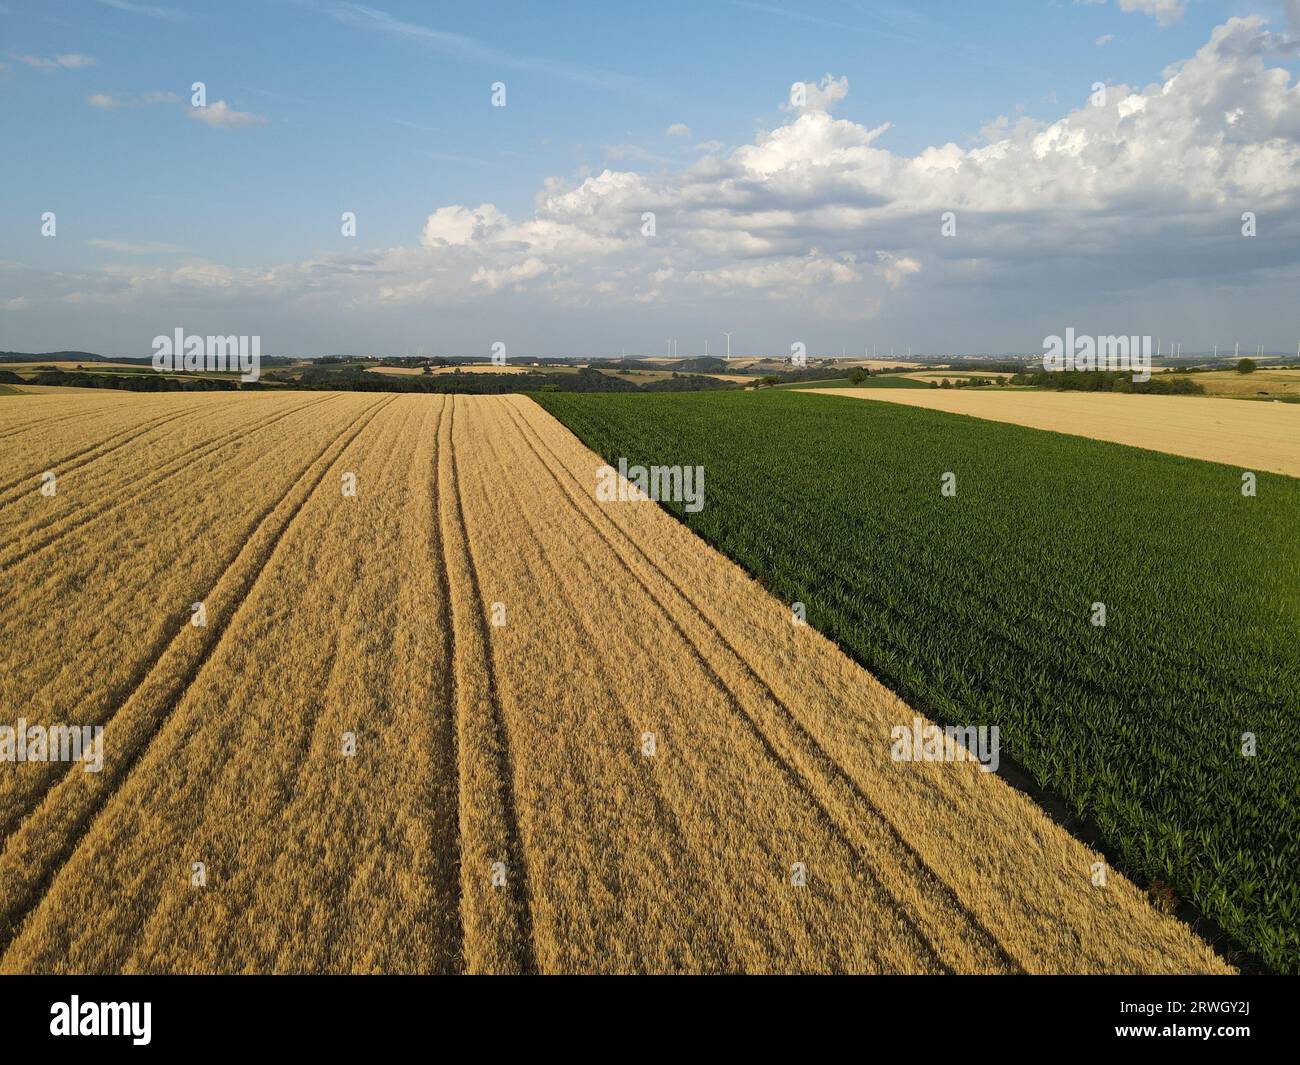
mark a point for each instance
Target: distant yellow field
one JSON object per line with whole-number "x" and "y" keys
{"x": 1231, "y": 383}
{"x": 583, "y": 741}
{"x": 398, "y": 371}
{"x": 1254, "y": 436}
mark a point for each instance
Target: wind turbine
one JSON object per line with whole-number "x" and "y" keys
{"x": 728, "y": 336}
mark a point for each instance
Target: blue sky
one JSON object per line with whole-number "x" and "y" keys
{"x": 232, "y": 219}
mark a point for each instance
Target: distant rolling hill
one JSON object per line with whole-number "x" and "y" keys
{"x": 64, "y": 356}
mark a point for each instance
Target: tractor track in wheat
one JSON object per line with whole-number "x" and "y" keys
{"x": 22, "y": 889}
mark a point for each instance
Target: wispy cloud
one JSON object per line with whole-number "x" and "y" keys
{"x": 632, "y": 153}
{"x": 1105, "y": 38}
{"x": 220, "y": 115}
{"x": 108, "y": 101}
{"x": 67, "y": 61}
{"x": 794, "y": 16}
{"x": 1165, "y": 12}
{"x": 271, "y": 94}
{"x": 126, "y": 247}
{"x": 165, "y": 14}
{"x": 370, "y": 18}
{"x": 897, "y": 24}
{"x": 451, "y": 157}
{"x": 408, "y": 124}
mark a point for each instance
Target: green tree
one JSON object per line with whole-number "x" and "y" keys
{"x": 1246, "y": 366}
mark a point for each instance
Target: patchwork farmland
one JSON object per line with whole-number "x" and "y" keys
{"x": 385, "y": 687}
{"x": 1169, "y": 728}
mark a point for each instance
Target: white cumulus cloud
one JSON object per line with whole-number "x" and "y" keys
{"x": 808, "y": 96}
{"x": 1165, "y": 12}
{"x": 220, "y": 115}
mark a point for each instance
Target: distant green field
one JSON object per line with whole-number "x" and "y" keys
{"x": 977, "y": 609}
{"x": 9, "y": 390}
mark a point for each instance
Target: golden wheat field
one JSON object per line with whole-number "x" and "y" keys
{"x": 464, "y": 719}
{"x": 1254, "y": 436}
